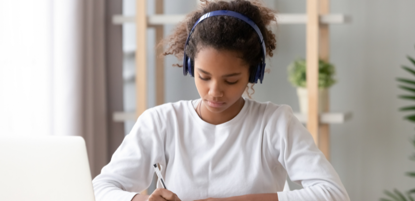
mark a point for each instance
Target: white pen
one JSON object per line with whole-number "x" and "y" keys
{"x": 159, "y": 175}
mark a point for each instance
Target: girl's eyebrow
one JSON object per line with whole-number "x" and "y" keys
{"x": 228, "y": 75}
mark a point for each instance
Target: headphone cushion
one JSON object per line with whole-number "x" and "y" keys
{"x": 190, "y": 67}
{"x": 263, "y": 71}
{"x": 184, "y": 64}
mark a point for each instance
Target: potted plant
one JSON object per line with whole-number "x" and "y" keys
{"x": 297, "y": 75}
{"x": 409, "y": 86}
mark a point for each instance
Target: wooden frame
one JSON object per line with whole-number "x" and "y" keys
{"x": 312, "y": 49}
{"x": 159, "y": 52}
{"x": 141, "y": 57}
{"x": 317, "y": 48}
{"x": 324, "y": 49}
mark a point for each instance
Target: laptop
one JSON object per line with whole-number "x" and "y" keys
{"x": 44, "y": 168}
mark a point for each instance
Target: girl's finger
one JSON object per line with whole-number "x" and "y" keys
{"x": 166, "y": 194}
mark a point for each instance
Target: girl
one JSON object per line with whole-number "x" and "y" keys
{"x": 222, "y": 146}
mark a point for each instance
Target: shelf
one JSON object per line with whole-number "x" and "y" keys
{"x": 326, "y": 118}
{"x": 123, "y": 116}
{"x": 154, "y": 20}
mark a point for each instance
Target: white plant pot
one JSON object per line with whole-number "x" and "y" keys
{"x": 303, "y": 99}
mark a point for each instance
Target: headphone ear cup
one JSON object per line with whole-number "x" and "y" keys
{"x": 251, "y": 78}
{"x": 258, "y": 73}
{"x": 184, "y": 64}
{"x": 190, "y": 67}
{"x": 252, "y": 73}
{"x": 262, "y": 71}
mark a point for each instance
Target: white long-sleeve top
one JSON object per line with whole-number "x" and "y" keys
{"x": 250, "y": 154}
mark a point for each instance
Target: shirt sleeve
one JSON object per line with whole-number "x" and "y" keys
{"x": 130, "y": 170}
{"x": 304, "y": 162}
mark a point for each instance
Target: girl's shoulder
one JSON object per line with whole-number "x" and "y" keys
{"x": 269, "y": 109}
{"x": 254, "y": 109}
{"x": 169, "y": 108}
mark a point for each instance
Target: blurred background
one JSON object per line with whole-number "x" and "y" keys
{"x": 66, "y": 68}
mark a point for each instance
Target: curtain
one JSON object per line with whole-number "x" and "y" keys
{"x": 80, "y": 104}
{"x": 53, "y": 73}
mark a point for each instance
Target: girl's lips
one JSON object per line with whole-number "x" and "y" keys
{"x": 215, "y": 103}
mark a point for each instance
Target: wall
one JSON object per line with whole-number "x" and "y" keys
{"x": 371, "y": 151}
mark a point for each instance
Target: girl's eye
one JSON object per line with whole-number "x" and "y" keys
{"x": 227, "y": 82}
{"x": 231, "y": 82}
{"x": 203, "y": 78}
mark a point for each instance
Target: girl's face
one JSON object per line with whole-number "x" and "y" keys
{"x": 221, "y": 78}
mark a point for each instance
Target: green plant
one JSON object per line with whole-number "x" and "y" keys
{"x": 407, "y": 85}
{"x": 297, "y": 74}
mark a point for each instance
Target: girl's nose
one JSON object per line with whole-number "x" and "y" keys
{"x": 215, "y": 90}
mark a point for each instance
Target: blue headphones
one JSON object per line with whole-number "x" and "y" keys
{"x": 258, "y": 75}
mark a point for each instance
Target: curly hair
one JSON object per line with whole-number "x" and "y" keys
{"x": 224, "y": 32}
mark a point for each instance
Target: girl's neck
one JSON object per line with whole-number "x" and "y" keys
{"x": 219, "y": 118}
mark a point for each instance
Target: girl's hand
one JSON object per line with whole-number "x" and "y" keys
{"x": 162, "y": 194}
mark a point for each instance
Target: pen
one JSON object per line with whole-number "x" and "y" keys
{"x": 159, "y": 175}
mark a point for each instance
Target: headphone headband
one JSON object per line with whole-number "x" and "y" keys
{"x": 187, "y": 66}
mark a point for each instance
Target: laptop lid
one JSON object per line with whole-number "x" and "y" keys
{"x": 44, "y": 168}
